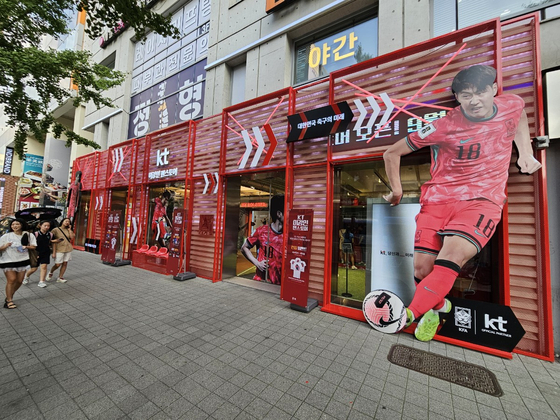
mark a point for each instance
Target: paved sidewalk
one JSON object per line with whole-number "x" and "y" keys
{"x": 127, "y": 343}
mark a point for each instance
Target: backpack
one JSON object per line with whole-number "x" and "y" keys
{"x": 36, "y": 233}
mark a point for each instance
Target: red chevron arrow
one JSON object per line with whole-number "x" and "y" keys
{"x": 273, "y": 143}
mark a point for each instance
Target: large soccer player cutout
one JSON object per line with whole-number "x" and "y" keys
{"x": 461, "y": 204}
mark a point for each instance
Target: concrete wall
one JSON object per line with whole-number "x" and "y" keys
{"x": 236, "y": 25}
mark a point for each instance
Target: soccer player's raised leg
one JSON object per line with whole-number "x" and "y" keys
{"x": 429, "y": 297}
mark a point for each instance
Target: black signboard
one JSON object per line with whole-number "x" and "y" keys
{"x": 8, "y": 158}
{"x": 482, "y": 323}
{"x": 319, "y": 122}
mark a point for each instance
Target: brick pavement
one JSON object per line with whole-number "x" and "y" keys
{"x": 126, "y": 343}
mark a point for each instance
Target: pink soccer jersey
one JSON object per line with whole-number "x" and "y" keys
{"x": 470, "y": 158}
{"x": 159, "y": 212}
{"x": 269, "y": 242}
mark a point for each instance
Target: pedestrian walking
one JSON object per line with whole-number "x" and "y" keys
{"x": 63, "y": 236}
{"x": 14, "y": 257}
{"x": 44, "y": 240}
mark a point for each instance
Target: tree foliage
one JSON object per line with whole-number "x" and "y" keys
{"x": 31, "y": 76}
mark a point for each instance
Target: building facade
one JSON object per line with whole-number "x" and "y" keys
{"x": 202, "y": 125}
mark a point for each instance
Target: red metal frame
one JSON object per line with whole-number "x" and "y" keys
{"x": 542, "y": 195}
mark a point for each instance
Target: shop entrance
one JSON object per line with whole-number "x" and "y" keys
{"x": 255, "y": 218}
{"x": 373, "y": 245}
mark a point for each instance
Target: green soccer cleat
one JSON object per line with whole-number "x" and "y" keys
{"x": 409, "y": 318}
{"x": 427, "y": 327}
{"x": 446, "y": 308}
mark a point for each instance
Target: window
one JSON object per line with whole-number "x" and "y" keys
{"x": 451, "y": 15}
{"x": 552, "y": 12}
{"x": 318, "y": 56}
{"x": 238, "y": 74}
{"x": 68, "y": 41}
{"x": 109, "y": 62}
{"x": 373, "y": 243}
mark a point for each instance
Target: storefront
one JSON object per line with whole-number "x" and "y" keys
{"x": 227, "y": 172}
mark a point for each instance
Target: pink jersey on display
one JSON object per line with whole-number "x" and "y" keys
{"x": 269, "y": 242}
{"x": 159, "y": 212}
{"x": 470, "y": 158}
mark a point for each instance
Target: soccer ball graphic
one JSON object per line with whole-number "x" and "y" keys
{"x": 384, "y": 311}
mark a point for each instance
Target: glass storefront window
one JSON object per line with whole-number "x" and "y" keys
{"x": 163, "y": 200}
{"x": 319, "y": 57}
{"x": 373, "y": 243}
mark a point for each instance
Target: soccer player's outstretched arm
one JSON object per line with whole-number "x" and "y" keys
{"x": 526, "y": 161}
{"x": 392, "y": 158}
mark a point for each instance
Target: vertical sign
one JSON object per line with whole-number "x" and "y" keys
{"x": 296, "y": 274}
{"x": 176, "y": 241}
{"x": 8, "y": 158}
{"x": 2, "y": 185}
{"x": 111, "y": 237}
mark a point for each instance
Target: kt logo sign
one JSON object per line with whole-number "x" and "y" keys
{"x": 482, "y": 323}
{"x": 162, "y": 157}
{"x": 496, "y": 324}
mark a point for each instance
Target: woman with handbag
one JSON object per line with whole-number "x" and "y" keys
{"x": 40, "y": 257}
{"x": 63, "y": 236}
{"x": 14, "y": 257}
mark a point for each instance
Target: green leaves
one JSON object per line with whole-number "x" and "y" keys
{"x": 35, "y": 80}
{"x": 134, "y": 13}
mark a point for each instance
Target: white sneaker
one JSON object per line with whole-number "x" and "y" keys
{"x": 49, "y": 276}
{"x": 61, "y": 280}
{"x": 42, "y": 284}
{"x": 25, "y": 280}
